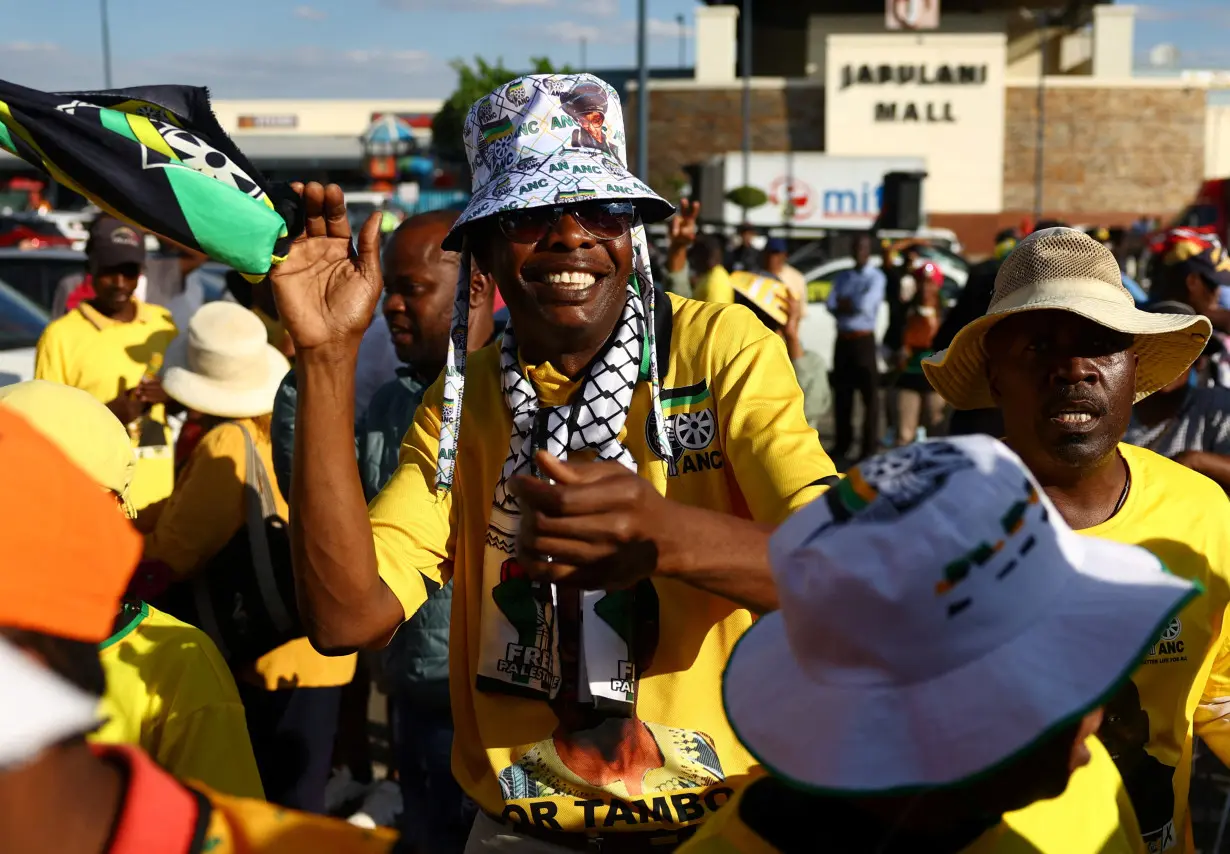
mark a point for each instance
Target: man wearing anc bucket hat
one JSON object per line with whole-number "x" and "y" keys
{"x": 615, "y": 439}
{"x": 946, "y": 642}
{"x": 1064, "y": 353}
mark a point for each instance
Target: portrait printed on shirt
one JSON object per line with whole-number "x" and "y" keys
{"x": 1149, "y": 782}
{"x": 574, "y": 761}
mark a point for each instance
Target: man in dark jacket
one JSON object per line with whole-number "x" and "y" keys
{"x": 972, "y": 304}
{"x": 420, "y": 279}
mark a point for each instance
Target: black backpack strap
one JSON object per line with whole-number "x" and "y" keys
{"x": 204, "y": 814}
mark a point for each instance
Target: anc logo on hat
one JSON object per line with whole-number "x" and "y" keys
{"x": 564, "y": 197}
{"x": 1012, "y": 522}
{"x": 890, "y": 485}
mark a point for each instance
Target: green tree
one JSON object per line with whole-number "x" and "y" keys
{"x": 473, "y": 82}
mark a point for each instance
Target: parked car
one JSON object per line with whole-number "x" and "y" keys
{"x": 953, "y": 266}
{"x": 30, "y": 232}
{"x": 21, "y": 324}
{"x": 35, "y": 275}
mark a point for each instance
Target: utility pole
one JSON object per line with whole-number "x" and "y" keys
{"x": 683, "y": 40}
{"x": 106, "y": 46}
{"x": 747, "y": 90}
{"x": 642, "y": 91}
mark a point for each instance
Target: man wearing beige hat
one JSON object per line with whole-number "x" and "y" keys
{"x": 1064, "y": 353}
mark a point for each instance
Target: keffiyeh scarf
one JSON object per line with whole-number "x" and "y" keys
{"x": 520, "y": 633}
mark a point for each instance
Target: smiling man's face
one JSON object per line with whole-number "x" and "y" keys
{"x": 567, "y": 289}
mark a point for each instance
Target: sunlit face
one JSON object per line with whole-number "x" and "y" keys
{"x": 1065, "y": 386}
{"x": 115, "y": 286}
{"x": 567, "y": 284}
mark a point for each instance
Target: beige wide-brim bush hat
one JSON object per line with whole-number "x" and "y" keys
{"x": 1064, "y": 269}
{"x": 223, "y": 365}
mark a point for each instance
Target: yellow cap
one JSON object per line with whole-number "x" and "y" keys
{"x": 84, "y": 430}
{"x": 767, "y": 294}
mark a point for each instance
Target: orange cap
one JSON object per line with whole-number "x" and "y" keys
{"x": 68, "y": 553}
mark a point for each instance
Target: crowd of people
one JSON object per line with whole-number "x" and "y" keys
{"x": 586, "y": 539}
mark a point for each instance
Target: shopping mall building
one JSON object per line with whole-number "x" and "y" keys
{"x": 963, "y": 99}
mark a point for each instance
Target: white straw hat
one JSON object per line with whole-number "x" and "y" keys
{"x": 937, "y": 619}
{"x": 1065, "y": 269}
{"x": 38, "y": 708}
{"x": 224, "y": 365}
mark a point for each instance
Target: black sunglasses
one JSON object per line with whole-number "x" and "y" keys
{"x": 600, "y": 220}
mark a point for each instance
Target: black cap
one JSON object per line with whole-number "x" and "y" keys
{"x": 114, "y": 243}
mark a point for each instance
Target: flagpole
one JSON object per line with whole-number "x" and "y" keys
{"x": 106, "y": 47}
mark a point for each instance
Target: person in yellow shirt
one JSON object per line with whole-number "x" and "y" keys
{"x": 167, "y": 688}
{"x": 224, "y": 372}
{"x": 599, "y": 485}
{"x": 943, "y": 648}
{"x": 1064, "y": 353}
{"x": 112, "y": 346}
{"x": 57, "y": 792}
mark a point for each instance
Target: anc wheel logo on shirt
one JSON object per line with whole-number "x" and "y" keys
{"x": 1173, "y": 630}
{"x": 694, "y": 430}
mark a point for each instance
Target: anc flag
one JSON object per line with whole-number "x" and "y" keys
{"x": 156, "y": 157}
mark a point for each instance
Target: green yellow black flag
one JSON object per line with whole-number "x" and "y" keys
{"x": 156, "y": 157}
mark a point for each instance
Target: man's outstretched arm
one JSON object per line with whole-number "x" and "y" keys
{"x": 326, "y": 296}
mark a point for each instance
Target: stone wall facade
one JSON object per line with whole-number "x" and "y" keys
{"x": 1111, "y": 154}
{"x": 688, "y": 126}
{"x": 1113, "y": 149}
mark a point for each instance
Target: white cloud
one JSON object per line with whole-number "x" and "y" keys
{"x": 29, "y": 47}
{"x": 304, "y": 72}
{"x": 467, "y": 5}
{"x": 621, "y": 32}
{"x": 1156, "y": 13}
{"x": 660, "y": 29}
{"x": 310, "y": 13}
{"x": 570, "y": 31}
{"x": 593, "y": 8}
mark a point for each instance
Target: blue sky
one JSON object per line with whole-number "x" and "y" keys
{"x": 397, "y": 48}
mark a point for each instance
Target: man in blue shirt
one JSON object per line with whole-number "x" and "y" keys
{"x": 854, "y": 301}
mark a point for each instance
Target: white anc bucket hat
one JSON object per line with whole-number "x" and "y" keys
{"x": 223, "y": 365}
{"x": 937, "y": 619}
{"x": 38, "y": 708}
{"x": 1066, "y": 269}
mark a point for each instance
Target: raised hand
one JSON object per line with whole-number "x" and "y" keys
{"x": 682, "y": 226}
{"x": 325, "y": 294}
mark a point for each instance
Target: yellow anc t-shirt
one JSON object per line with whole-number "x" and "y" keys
{"x": 206, "y": 510}
{"x": 170, "y": 693}
{"x": 102, "y": 356}
{"x": 744, "y": 447}
{"x": 1092, "y": 816}
{"x": 1184, "y": 683}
